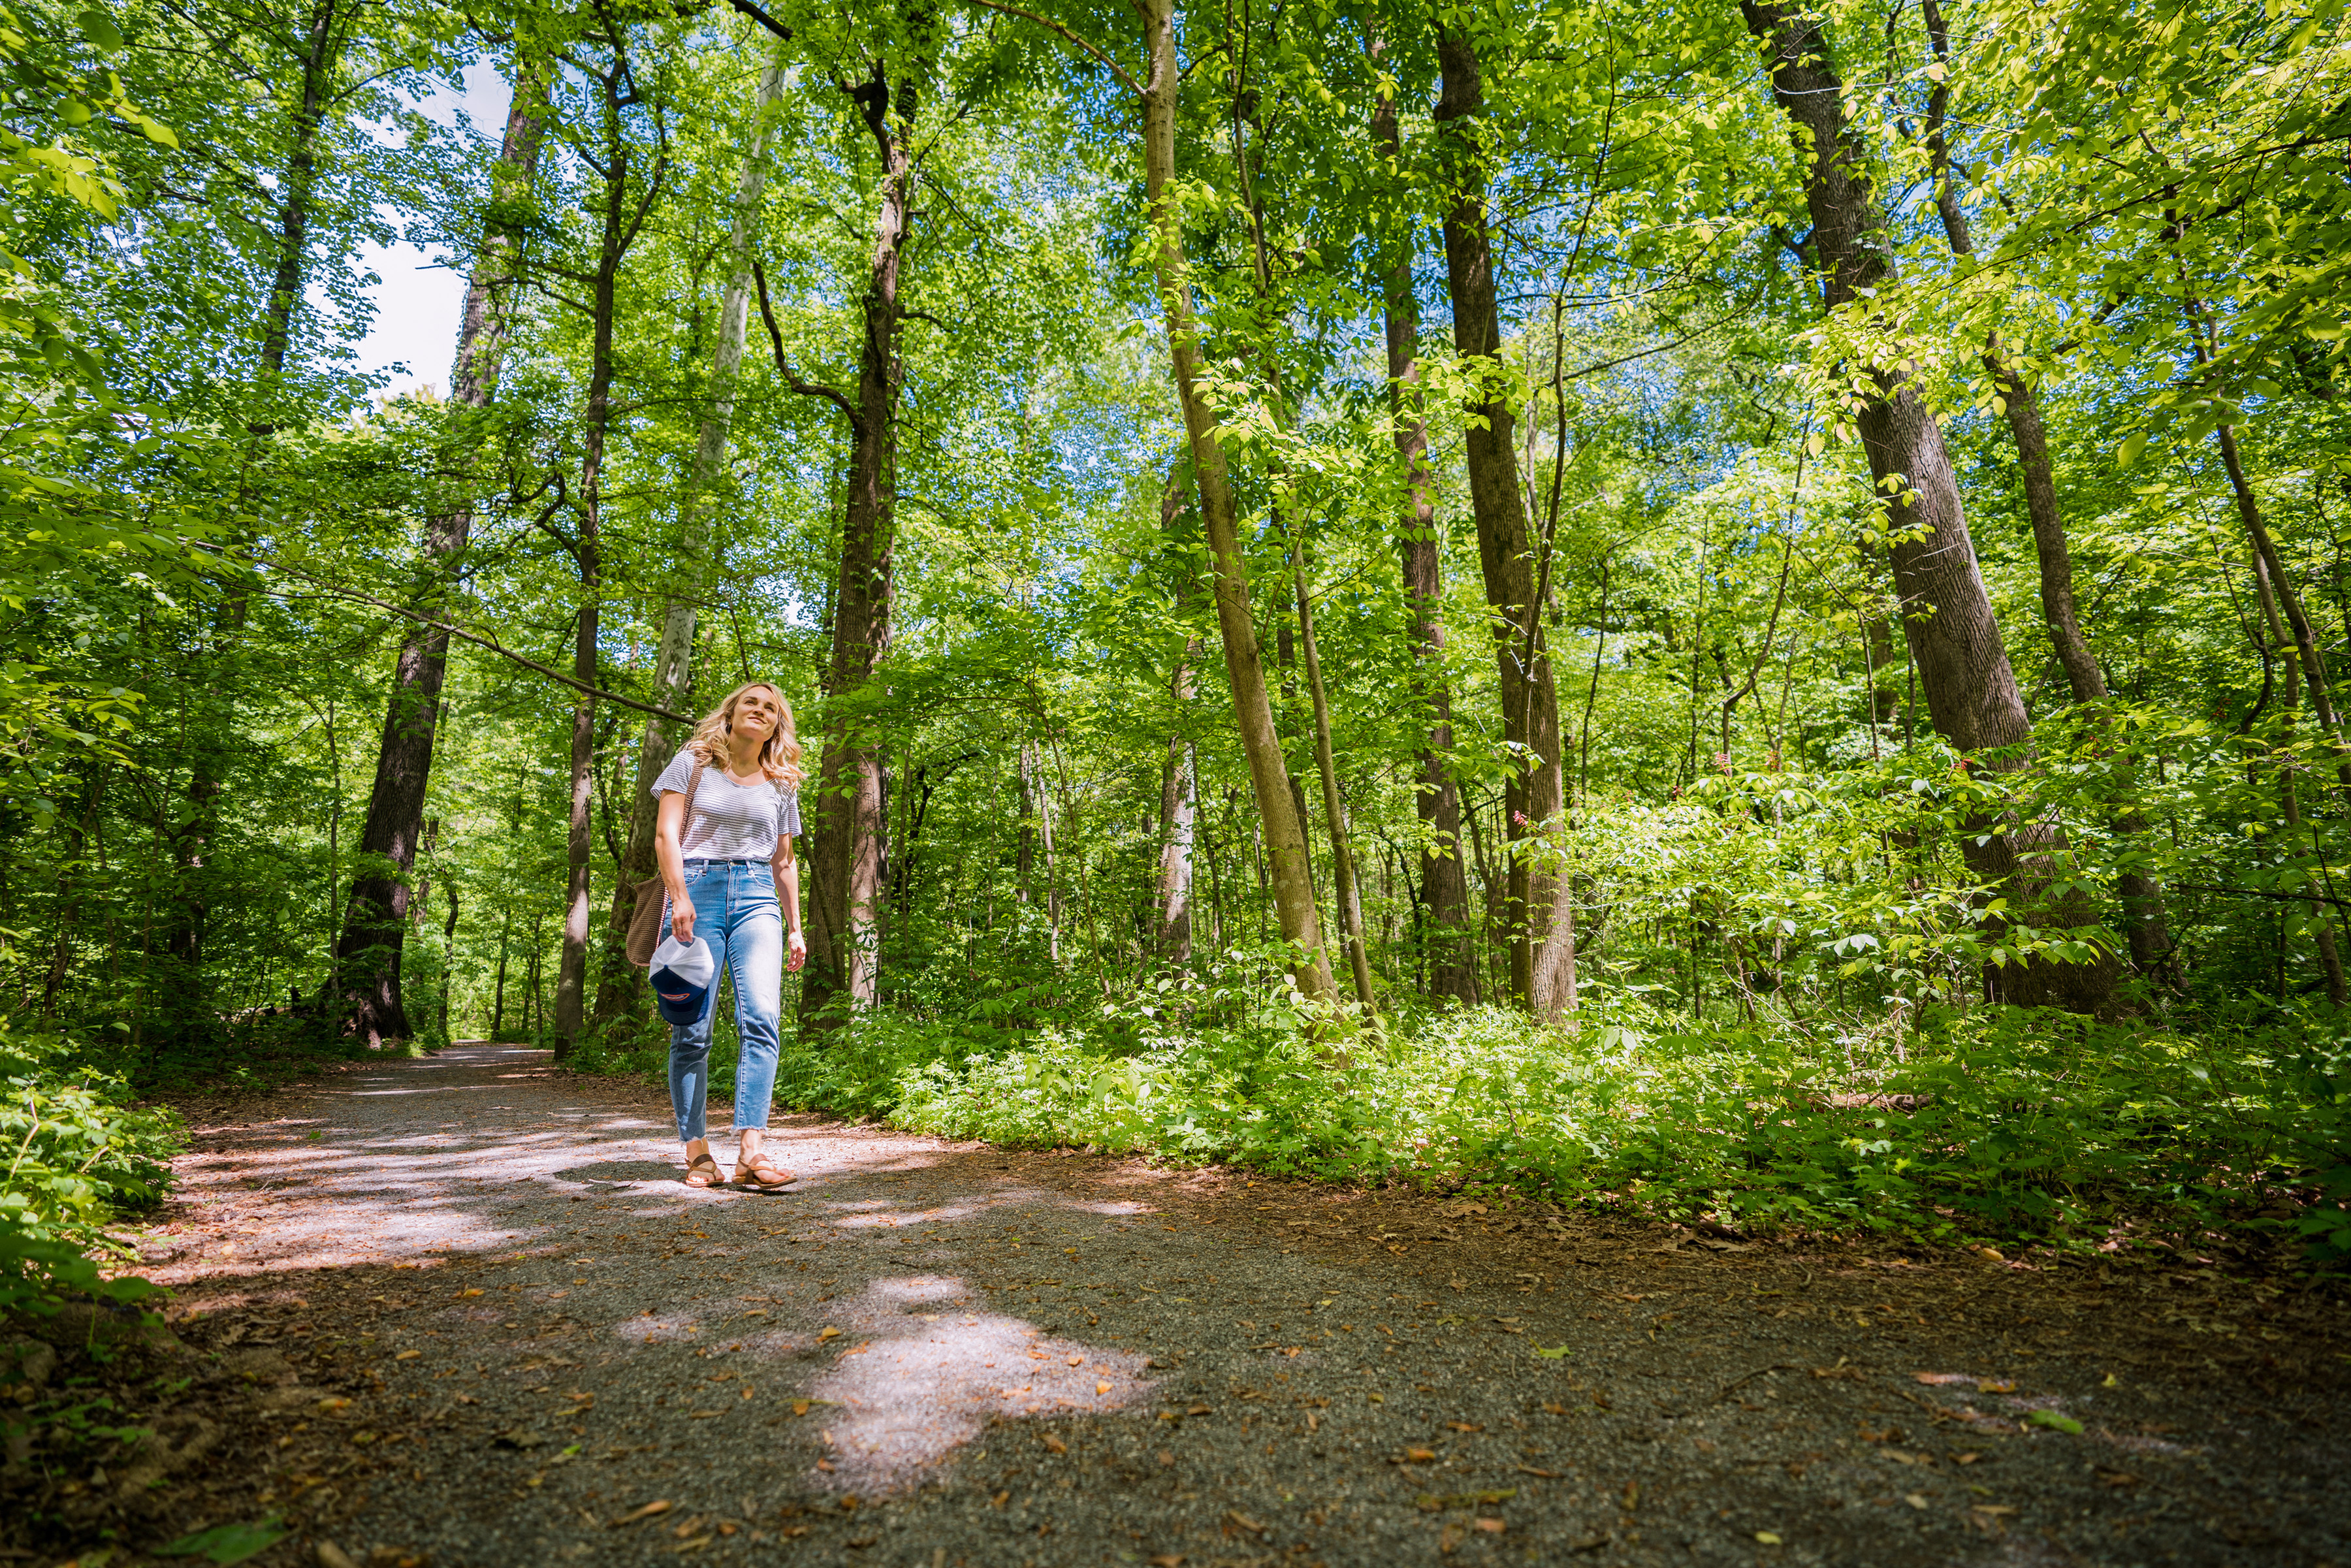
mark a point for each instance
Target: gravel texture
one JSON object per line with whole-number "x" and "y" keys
{"x": 929, "y": 1353}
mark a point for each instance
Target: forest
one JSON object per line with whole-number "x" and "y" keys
{"x": 1728, "y": 612}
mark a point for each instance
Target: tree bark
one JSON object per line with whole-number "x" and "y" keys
{"x": 1444, "y": 881}
{"x": 618, "y": 230}
{"x": 2145, "y": 927}
{"x": 620, "y": 985}
{"x": 847, "y": 820}
{"x": 1285, "y": 839}
{"x": 295, "y": 200}
{"x": 1954, "y": 638}
{"x": 375, "y": 925}
{"x": 1539, "y": 927}
{"x": 1178, "y": 789}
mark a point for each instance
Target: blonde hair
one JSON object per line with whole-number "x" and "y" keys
{"x": 778, "y": 758}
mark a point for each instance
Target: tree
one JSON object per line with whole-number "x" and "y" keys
{"x": 1444, "y": 884}
{"x": 849, "y": 820}
{"x": 1285, "y": 839}
{"x": 367, "y": 954}
{"x": 617, "y": 986}
{"x": 1955, "y": 642}
{"x": 619, "y": 198}
{"x": 1540, "y": 924}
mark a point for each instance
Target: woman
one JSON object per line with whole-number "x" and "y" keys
{"x": 724, "y": 870}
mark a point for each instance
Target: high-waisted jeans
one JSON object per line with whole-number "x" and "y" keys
{"x": 734, "y": 911}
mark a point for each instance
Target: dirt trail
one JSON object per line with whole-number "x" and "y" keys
{"x": 929, "y": 1353}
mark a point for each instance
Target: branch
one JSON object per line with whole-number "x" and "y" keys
{"x": 783, "y": 366}
{"x": 761, "y": 17}
{"x": 1066, "y": 32}
{"x": 340, "y": 591}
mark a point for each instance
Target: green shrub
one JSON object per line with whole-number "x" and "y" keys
{"x": 79, "y": 1156}
{"x": 1978, "y": 1124}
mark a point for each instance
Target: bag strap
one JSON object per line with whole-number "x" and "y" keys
{"x": 685, "y": 818}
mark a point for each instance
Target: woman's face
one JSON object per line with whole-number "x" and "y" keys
{"x": 756, "y": 713}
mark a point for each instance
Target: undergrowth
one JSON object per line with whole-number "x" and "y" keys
{"x": 1935, "y": 1123}
{"x": 80, "y": 1156}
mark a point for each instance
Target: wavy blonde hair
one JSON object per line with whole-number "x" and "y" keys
{"x": 779, "y": 758}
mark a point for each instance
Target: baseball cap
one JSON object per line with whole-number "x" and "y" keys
{"x": 683, "y": 973}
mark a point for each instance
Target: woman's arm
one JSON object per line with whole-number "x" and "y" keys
{"x": 788, "y": 895}
{"x": 669, "y": 834}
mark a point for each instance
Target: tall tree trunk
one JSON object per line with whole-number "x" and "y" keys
{"x": 1179, "y": 788}
{"x": 1539, "y": 936}
{"x": 848, "y": 822}
{"x": 620, "y": 985}
{"x": 2145, "y": 928}
{"x": 295, "y": 200}
{"x": 1954, "y": 638}
{"x": 1285, "y": 838}
{"x": 1444, "y": 880}
{"x": 619, "y": 228}
{"x": 367, "y": 954}
{"x": 498, "y": 1003}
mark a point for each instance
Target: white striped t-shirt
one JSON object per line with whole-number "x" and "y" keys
{"x": 731, "y": 821}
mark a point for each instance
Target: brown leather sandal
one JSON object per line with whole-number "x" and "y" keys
{"x": 703, "y": 1171}
{"x": 762, "y": 1175}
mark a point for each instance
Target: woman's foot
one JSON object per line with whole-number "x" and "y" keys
{"x": 701, "y": 1170}
{"x": 756, "y": 1170}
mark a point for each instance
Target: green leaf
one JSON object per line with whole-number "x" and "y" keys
{"x": 2130, "y": 450}
{"x": 2054, "y": 1421}
{"x": 99, "y": 29}
{"x": 228, "y": 1542}
{"x": 1549, "y": 1355}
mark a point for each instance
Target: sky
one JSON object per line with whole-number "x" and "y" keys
{"x": 417, "y": 302}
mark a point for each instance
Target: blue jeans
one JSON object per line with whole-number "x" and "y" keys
{"x": 734, "y": 911}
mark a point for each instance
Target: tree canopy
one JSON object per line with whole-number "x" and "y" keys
{"x": 1723, "y": 556}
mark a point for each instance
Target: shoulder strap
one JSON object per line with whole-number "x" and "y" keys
{"x": 693, "y": 783}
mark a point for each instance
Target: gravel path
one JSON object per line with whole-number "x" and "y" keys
{"x": 928, "y": 1354}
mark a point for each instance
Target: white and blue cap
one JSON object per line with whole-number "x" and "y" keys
{"x": 682, "y": 974}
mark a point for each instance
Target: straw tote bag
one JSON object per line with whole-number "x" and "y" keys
{"x": 652, "y": 899}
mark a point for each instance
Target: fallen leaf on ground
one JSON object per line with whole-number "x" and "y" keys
{"x": 1240, "y": 1520}
{"x": 1766, "y": 1538}
{"x": 1491, "y": 1526}
{"x": 408, "y": 1355}
{"x": 1055, "y": 1446}
{"x": 1549, "y": 1355}
{"x": 1077, "y": 1361}
{"x": 828, "y": 1333}
{"x": 659, "y": 1505}
{"x": 1417, "y": 1456}
{"x": 1462, "y": 1427}
{"x": 2055, "y": 1422}
{"x": 1916, "y": 1500}
{"x": 1937, "y": 1378}
{"x": 1102, "y": 1387}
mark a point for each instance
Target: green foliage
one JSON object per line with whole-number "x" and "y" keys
{"x": 80, "y": 1156}
{"x": 1999, "y": 1124}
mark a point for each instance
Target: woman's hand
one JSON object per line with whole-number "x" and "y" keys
{"x": 681, "y": 920}
{"x": 796, "y": 952}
